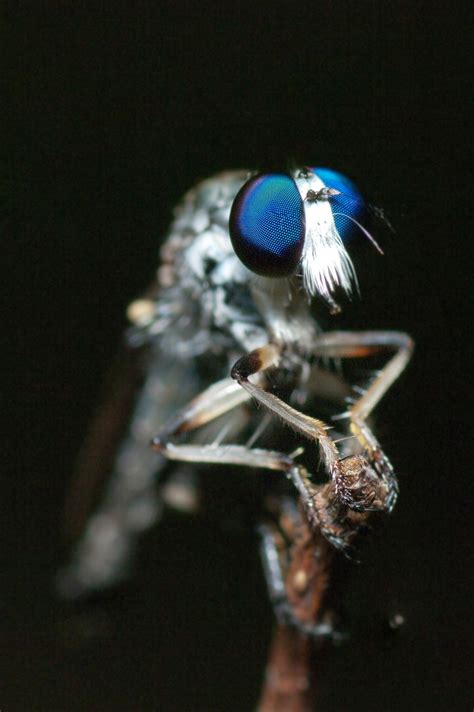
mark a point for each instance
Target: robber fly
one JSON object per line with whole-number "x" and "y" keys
{"x": 234, "y": 362}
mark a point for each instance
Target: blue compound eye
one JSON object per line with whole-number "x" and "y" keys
{"x": 267, "y": 225}
{"x": 346, "y": 207}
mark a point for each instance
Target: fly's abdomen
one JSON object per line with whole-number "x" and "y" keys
{"x": 130, "y": 503}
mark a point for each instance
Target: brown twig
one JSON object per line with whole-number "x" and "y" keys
{"x": 289, "y": 683}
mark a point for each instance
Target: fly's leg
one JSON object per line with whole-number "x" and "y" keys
{"x": 356, "y": 345}
{"x": 259, "y": 360}
{"x": 321, "y": 504}
{"x": 220, "y": 398}
{"x": 361, "y": 483}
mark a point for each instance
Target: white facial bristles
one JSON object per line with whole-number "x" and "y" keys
{"x": 325, "y": 262}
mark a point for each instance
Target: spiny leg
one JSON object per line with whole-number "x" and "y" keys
{"x": 259, "y": 360}
{"x": 357, "y": 344}
{"x": 205, "y": 408}
{"x": 323, "y": 509}
{"x": 357, "y": 484}
{"x": 360, "y": 344}
{"x": 214, "y": 401}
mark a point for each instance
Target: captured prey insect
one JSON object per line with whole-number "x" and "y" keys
{"x": 227, "y": 327}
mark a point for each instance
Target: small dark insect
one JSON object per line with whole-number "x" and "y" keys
{"x": 228, "y": 325}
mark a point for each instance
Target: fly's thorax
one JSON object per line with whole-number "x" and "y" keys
{"x": 204, "y": 303}
{"x": 199, "y": 233}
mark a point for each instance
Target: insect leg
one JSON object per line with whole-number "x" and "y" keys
{"x": 365, "y": 343}
{"x": 220, "y": 398}
{"x": 362, "y": 483}
{"x": 344, "y": 344}
{"x": 320, "y": 502}
{"x": 312, "y": 428}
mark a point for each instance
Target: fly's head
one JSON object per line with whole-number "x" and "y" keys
{"x": 300, "y": 223}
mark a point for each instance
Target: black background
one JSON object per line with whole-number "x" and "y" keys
{"x": 111, "y": 112}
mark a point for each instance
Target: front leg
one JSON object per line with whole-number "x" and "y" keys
{"x": 360, "y": 482}
{"x": 259, "y": 360}
{"x": 342, "y": 344}
{"x": 325, "y": 511}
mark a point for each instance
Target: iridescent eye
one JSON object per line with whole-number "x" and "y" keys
{"x": 346, "y": 207}
{"x": 267, "y": 225}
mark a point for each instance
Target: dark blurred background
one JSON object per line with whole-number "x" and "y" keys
{"x": 110, "y": 112}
